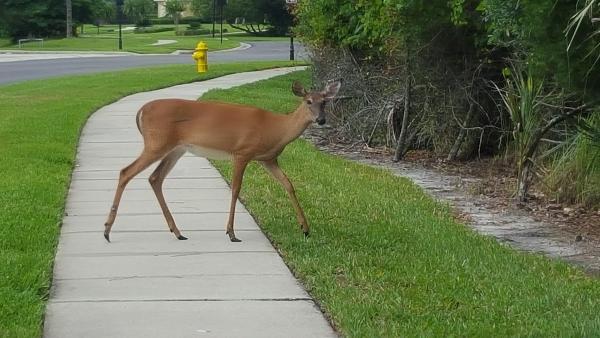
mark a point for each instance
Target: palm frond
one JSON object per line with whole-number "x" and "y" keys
{"x": 576, "y": 20}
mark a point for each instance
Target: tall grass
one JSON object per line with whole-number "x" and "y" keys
{"x": 574, "y": 175}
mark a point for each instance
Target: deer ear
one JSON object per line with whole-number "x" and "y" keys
{"x": 331, "y": 90}
{"x": 298, "y": 89}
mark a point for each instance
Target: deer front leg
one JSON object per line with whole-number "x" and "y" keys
{"x": 273, "y": 167}
{"x": 156, "y": 181}
{"x": 239, "y": 166}
{"x": 141, "y": 163}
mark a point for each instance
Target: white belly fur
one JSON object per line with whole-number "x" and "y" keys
{"x": 212, "y": 154}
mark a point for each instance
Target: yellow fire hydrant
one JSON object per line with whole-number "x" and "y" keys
{"x": 201, "y": 57}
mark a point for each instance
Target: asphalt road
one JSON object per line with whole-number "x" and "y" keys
{"x": 17, "y": 71}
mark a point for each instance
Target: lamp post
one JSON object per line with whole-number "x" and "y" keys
{"x": 290, "y": 5}
{"x": 291, "y": 46}
{"x": 222, "y": 3}
{"x": 214, "y": 17}
{"x": 120, "y": 21}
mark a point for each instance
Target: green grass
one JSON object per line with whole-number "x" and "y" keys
{"x": 107, "y": 41}
{"x": 385, "y": 260}
{"x": 132, "y": 42}
{"x": 39, "y": 128}
{"x": 112, "y": 29}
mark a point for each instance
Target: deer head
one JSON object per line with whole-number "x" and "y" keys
{"x": 315, "y": 101}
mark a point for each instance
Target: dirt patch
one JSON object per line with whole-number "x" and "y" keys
{"x": 481, "y": 193}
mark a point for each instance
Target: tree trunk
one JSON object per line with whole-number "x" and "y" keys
{"x": 408, "y": 142}
{"x": 402, "y": 137}
{"x": 461, "y": 135}
{"x": 69, "y": 18}
{"x": 523, "y": 181}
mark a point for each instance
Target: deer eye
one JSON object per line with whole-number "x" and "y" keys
{"x": 309, "y": 101}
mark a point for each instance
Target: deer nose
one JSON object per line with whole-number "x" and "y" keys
{"x": 321, "y": 121}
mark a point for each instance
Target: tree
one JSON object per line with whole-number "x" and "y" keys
{"x": 174, "y": 9}
{"x": 202, "y": 9}
{"x": 248, "y": 15}
{"x": 139, "y": 11}
{"x": 83, "y": 12}
{"x": 35, "y": 18}
{"x": 103, "y": 11}
{"x": 259, "y": 12}
{"x": 23, "y": 18}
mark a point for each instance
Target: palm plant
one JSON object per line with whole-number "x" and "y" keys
{"x": 174, "y": 9}
{"x": 138, "y": 10}
{"x": 528, "y": 105}
{"x": 521, "y": 97}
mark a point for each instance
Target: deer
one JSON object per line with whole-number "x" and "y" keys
{"x": 218, "y": 130}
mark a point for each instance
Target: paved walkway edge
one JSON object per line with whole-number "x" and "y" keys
{"x": 148, "y": 284}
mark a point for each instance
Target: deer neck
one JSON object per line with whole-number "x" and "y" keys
{"x": 297, "y": 122}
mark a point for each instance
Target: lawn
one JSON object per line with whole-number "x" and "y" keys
{"x": 40, "y": 123}
{"x": 385, "y": 260}
{"x": 107, "y": 40}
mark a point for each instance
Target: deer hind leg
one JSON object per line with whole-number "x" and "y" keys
{"x": 239, "y": 166}
{"x": 156, "y": 181}
{"x": 127, "y": 173}
{"x": 274, "y": 169}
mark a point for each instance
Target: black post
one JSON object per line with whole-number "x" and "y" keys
{"x": 222, "y": 3}
{"x": 120, "y": 35}
{"x": 290, "y": 6}
{"x": 214, "y": 16}
{"x": 120, "y": 20}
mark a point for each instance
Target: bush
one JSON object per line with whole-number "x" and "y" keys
{"x": 139, "y": 30}
{"x": 193, "y": 32}
{"x": 161, "y": 21}
{"x": 190, "y": 19}
{"x": 427, "y": 67}
{"x": 574, "y": 174}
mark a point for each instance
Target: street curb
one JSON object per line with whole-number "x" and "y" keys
{"x": 16, "y": 51}
{"x": 242, "y": 46}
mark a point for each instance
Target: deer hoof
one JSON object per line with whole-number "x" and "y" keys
{"x": 181, "y": 237}
{"x": 306, "y": 234}
{"x": 107, "y": 237}
{"x": 235, "y": 239}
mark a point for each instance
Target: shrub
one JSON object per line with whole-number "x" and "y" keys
{"x": 190, "y": 19}
{"x": 193, "y": 32}
{"x": 139, "y": 30}
{"x": 195, "y": 25}
{"x": 161, "y": 21}
{"x": 574, "y": 175}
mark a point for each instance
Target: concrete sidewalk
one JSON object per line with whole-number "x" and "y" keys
{"x": 146, "y": 283}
